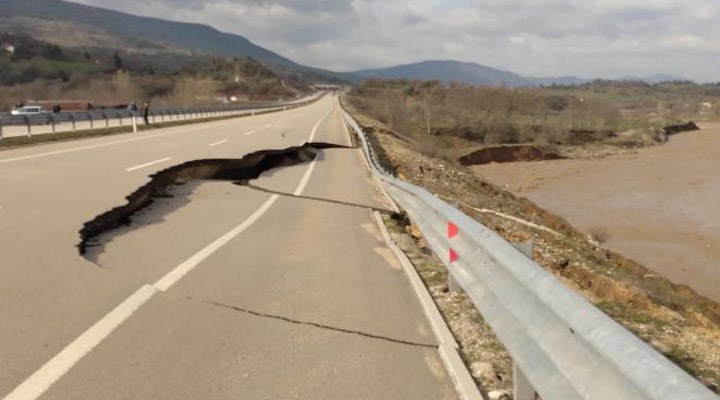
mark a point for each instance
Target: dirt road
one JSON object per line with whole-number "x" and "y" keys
{"x": 659, "y": 206}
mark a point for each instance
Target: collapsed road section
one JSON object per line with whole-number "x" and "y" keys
{"x": 241, "y": 170}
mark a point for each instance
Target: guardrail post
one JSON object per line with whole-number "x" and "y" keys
{"x": 522, "y": 388}
{"x": 1, "y": 129}
{"x": 72, "y": 118}
{"x": 119, "y": 115}
{"x": 52, "y": 122}
{"x": 162, "y": 117}
{"x": 29, "y": 129}
{"x": 107, "y": 120}
{"x": 90, "y": 118}
{"x": 134, "y": 123}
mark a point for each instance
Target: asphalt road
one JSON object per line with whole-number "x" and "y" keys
{"x": 283, "y": 289}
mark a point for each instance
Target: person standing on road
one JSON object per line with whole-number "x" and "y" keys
{"x": 145, "y": 111}
{"x": 56, "y": 108}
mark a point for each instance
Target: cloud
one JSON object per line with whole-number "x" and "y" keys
{"x": 589, "y": 38}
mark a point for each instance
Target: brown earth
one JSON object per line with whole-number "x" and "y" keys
{"x": 674, "y": 319}
{"x": 659, "y": 206}
{"x": 504, "y": 154}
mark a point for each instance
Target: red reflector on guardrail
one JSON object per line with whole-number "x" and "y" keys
{"x": 453, "y": 255}
{"x": 452, "y": 230}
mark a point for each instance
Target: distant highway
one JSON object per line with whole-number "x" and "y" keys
{"x": 285, "y": 289}
{"x": 70, "y": 121}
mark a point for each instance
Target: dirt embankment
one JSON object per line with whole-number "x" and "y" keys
{"x": 679, "y": 323}
{"x": 505, "y": 154}
{"x": 577, "y": 140}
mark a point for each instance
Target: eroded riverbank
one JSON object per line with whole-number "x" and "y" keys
{"x": 659, "y": 206}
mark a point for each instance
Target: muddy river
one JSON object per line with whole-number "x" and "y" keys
{"x": 659, "y": 206}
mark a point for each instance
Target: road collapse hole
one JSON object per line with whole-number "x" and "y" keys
{"x": 245, "y": 169}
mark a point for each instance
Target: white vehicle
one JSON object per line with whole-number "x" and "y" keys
{"x": 28, "y": 110}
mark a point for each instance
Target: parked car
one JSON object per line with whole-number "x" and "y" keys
{"x": 28, "y": 110}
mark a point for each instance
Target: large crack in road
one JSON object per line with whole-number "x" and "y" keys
{"x": 240, "y": 170}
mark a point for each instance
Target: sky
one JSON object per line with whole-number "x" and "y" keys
{"x": 585, "y": 38}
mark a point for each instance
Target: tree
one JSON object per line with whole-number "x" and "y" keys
{"x": 117, "y": 61}
{"x": 124, "y": 87}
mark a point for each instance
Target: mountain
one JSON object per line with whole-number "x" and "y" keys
{"x": 474, "y": 74}
{"x": 449, "y": 71}
{"x": 76, "y": 25}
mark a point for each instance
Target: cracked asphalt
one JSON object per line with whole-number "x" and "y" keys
{"x": 220, "y": 291}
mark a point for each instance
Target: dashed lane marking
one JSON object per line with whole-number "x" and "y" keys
{"x": 147, "y": 164}
{"x": 218, "y": 143}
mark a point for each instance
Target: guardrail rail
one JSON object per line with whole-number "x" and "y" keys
{"x": 124, "y": 117}
{"x": 563, "y": 347}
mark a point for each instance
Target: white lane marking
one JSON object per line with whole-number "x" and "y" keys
{"x": 39, "y": 382}
{"x": 100, "y": 145}
{"x": 181, "y": 270}
{"x": 147, "y": 164}
{"x": 218, "y": 143}
{"x": 317, "y": 126}
{"x": 305, "y": 179}
{"x": 249, "y": 133}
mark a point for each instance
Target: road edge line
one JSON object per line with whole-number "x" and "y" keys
{"x": 42, "y": 379}
{"x": 448, "y": 348}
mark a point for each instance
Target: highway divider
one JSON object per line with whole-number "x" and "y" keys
{"x": 562, "y": 346}
{"x": 107, "y": 118}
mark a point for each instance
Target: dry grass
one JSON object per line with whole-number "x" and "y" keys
{"x": 546, "y": 116}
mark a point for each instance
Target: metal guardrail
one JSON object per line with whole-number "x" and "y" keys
{"x": 102, "y": 118}
{"x": 562, "y": 346}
